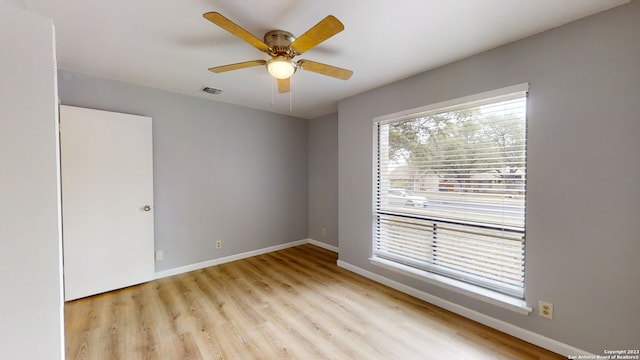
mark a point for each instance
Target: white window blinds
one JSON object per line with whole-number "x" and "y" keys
{"x": 450, "y": 194}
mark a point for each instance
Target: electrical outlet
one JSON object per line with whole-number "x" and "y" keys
{"x": 324, "y": 232}
{"x": 545, "y": 309}
{"x": 159, "y": 255}
{"x": 218, "y": 244}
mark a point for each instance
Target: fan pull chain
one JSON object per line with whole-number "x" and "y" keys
{"x": 272, "y": 84}
{"x": 290, "y": 95}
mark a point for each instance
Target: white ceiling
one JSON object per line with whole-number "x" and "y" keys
{"x": 169, "y": 45}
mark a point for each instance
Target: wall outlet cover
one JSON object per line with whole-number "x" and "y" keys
{"x": 545, "y": 309}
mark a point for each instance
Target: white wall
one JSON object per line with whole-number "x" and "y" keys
{"x": 583, "y": 194}
{"x": 30, "y": 287}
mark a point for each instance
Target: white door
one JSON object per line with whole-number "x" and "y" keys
{"x": 107, "y": 200}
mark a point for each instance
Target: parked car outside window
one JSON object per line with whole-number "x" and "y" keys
{"x": 403, "y": 197}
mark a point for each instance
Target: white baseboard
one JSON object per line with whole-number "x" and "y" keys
{"x": 226, "y": 259}
{"x": 518, "y": 332}
{"x": 323, "y": 245}
{"x": 244, "y": 255}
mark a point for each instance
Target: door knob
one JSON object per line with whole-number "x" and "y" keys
{"x": 147, "y": 208}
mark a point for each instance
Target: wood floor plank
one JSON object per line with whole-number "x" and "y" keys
{"x": 289, "y": 304}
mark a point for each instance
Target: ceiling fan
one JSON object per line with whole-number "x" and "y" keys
{"x": 282, "y": 46}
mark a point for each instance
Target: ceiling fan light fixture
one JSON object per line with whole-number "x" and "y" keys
{"x": 281, "y": 67}
{"x": 282, "y": 47}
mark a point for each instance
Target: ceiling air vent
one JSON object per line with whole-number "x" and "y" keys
{"x": 212, "y": 91}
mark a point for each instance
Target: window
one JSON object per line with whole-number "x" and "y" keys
{"x": 450, "y": 189}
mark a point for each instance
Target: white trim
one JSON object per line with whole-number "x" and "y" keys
{"x": 518, "y": 332}
{"x": 421, "y": 110}
{"x": 226, "y": 259}
{"x": 460, "y": 287}
{"x": 323, "y": 245}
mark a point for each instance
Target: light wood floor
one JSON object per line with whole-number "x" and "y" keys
{"x": 290, "y": 304}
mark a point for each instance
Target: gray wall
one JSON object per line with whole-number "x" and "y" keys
{"x": 31, "y": 317}
{"x": 583, "y": 195}
{"x": 323, "y": 179}
{"x": 221, "y": 172}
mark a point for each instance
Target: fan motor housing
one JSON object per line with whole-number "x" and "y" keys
{"x": 279, "y": 41}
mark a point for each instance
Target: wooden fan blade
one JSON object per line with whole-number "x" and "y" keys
{"x": 284, "y": 85}
{"x": 320, "y": 32}
{"x": 324, "y": 69}
{"x": 236, "y": 30}
{"x": 236, "y": 66}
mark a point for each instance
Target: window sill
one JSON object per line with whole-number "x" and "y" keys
{"x": 475, "y": 292}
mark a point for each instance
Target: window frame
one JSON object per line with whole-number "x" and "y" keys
{"x": 515, "y": 303}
